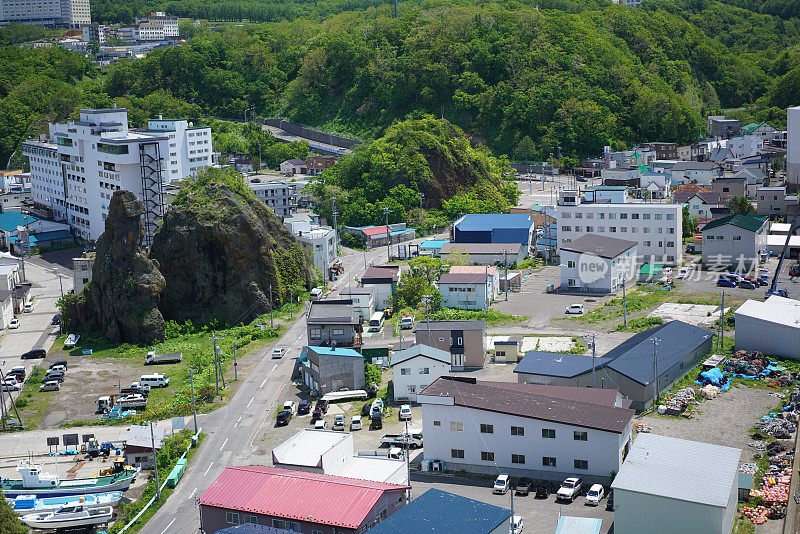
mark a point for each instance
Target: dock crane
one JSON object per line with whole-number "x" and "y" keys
{"x": 773, "y": 288}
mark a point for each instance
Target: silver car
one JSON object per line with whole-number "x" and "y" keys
{"x": 51, "y": 385}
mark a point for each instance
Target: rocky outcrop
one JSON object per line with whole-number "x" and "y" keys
{"x": 122, "y": 299}
{"x": 220, "y": 249}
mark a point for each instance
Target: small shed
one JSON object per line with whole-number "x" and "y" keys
{"x": 650, "y": 272}
{"x": 578, "y": 525}
{"x": 514, "y": 282}
{"x": 745, "y": 485}
{"x": 139, "y": 445}
{"x": 507, "y": 348}
{"x": 376, "y": 350}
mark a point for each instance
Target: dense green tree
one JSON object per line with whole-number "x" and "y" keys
{"x": 9, "y": 522}
{"x": 740, "y": 205}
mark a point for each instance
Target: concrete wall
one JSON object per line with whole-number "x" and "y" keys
{"x": 767, "y": 337}
{"x": 635, "y": 513}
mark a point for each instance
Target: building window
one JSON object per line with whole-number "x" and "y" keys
{"x": 487, "y": 456}
{"x": 249, "y": 518}
{"x": 437, "y": 423}
{"x": 548, "y": 461}
{"x": 549, "y": 433}
{"x": 405, "y": 371}
{"x": 517, "y": 458}
{"x": 279, "y": 523}
{"x": 580, "y": 436}
{"x": 517, "y": 431}
{"x": 570, "y": 264}
{"x": 315, "y": 333}
{"x": 487, "y": 429}
{"x": 456, "y": 426}
{"x": 457, "y": 453}
{"x": 232, "y": 518}
{"x": 581, "y": 464}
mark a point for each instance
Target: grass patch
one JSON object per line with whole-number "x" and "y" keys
{"x": 30, "y": 402}
{"x": 638, "y": 299}
{"x": 491, "y": 317}
{"x": 639, "y": 325}
{"x": 167, "y": 458}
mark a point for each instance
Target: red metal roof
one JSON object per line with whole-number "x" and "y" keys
{"x": 376, "y": 230}
{"x": 324, "y": 499}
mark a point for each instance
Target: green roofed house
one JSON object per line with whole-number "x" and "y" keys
{"x": 650, "y": 272}
{"x": 734, "y": 241}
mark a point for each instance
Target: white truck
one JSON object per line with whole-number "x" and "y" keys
{"x": 168, "y": 357}
{"x": 395, "y": 453}
{"x": 399, "y": 440}
{"x": 129, "y": 402}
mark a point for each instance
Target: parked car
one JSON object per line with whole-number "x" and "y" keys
{"x": 542, "y": 490}
{"x": 290, "y": 405}
{"x": 59, "y": 362}
{"x": 524, "y": 486}
{"x": 667, "y": 271}
{"x": 18, "y": 373}
{"x": 316, "y": 293}
{"x": 574, "y": 308}
{"x": 569, "y": 489}
{"x": 141, "y": 387}
{"x": 56, "y": 319}
{"x": 322, "y": 404}
{"x": 321, "y": 424}
{"x": 683, "y": 272}
{"x": 34, "y": 353}
{"x": 278, "y": 353}
{"x": 284, "y": 416}
{"x": 13, "y": 324}
{"x": 355, "y": 422}
{"x": 376, "y": 422}
{"x": 404, "y": 413}
{"x": 53, "y": 375}
{"x": 338, "y": 422}
{"x": 365, "y": 410}
{"x": 501, "y": 484}
{"x": 746, "y": 284}
{"x": 726, "y": 282}
{"x": 406, "y": 322}
{"x": 11, "y": 385}
{"x": 595, "y": 495}
{"x": 50, "y": 385}
{"x": 516, "y": 525}
{"x": 28, "y": 308}
{"x": 56, "y": 368}
{"x": 304, "y": 407}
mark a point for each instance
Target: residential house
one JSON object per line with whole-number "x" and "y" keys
{"x": 762, "y": 129}
{"x": 491, "y": 271}
{"x": 290, "y": 167}
{"x": 730, "y": 187}
{"x": 320, "y": 243}
{"x": 656, "y": 184}
{"x": 540, "y": 215}
{"x": 621, "y": 177}
{"x": 331, "y": 452}
{"x": 701, "y": 205}
{"x": 542, "y": 432}
{"x": 383, "y": 280}
{"x": 466, "y": 291}
{"x": 720, "y": 155}
{"x": 720, "y": 127}
{"x": 316, "y": 164}
{"x": 376, "y": 236}
{"x": 495, "y": 229}
{"x": 15, "y": 199}
{"x": 771, "y": 327}
{"x": 735, "y": 241}
{"x": 6, "y": 308}
{"x": 755, "y": 178}
{"x": 629, "y": 366}
{"x": 606, "y": 193}
{"x": 597, "y": 264}
{"x": 274, "y": 193}
{"x": 440, "y": 512}
{"x": 139, "y": 445}
{"x": 328, "y": 369}
{"x": 297, "y": 501}
{"x": 21, "y": 295}
{"x": 685, "y": 153}
{"x": 82, "y": 271}
{"x": 463, "y": 340}
{"x": 690, "y": 189}
{"x": 9, "y": 276}
{"x": 415, "y": 367}
{"x": 663, "y": 150}
{"x": 669, "y": 485}
{"x": 363, "y": 300}
{"x": 699, "y": 172}
{"x": 487, "y": 253}
{"x": 333, "y": 323}
{"x": 773, "y": 201}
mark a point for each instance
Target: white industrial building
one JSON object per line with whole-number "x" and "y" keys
{"x": 75, "y": 171}
{"x": 793, "y": 145}
{"x": 415, "y": 367}
{"x": 771, "y": 327}
{"x": 597, "y": 264}
{"x": 657, "y": 228}
{"x": 82, "y": 271}
{"x": 167, "y": 23}
{"x": 71, "y": 13}
{"x": 543, "y": 432}
{"x": 668, "y": 485}
{"x": 735, "y": 241}
{"x": 331, "y": 453}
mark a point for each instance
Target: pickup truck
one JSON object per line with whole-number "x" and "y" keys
{"x": 569, "y": 489}
{"x": 167, "y": 357}
{"x": 399, "y": 440}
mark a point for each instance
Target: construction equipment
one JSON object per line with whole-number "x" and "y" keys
{"x": 773, "y": 288}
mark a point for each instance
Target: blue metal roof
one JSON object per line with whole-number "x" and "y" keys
{"x": 51, "y": 235}
{"x": 578, "y": 525}
{"x": 557, "y": 364}
{"x": 439, "y": 512}
{"x": 634, "y": 357}
{"x": 9, "y": 220}
{"x": 477, "y": 222}
{"x": 433, "y": 243}
{"x": 333, "y": 351}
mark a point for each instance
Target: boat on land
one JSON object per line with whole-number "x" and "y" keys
{"x": 27, "y": 504}
{"x": 35, "y": 482}
{"x": 69, "y": 517}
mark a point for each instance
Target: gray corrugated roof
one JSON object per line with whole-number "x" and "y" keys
{"x": 599, "y": 245}
{"x": 450, "y": 325}
{"x": 378, "y": 274}
{"x": 694, "y": 166}
{"x": 335, "y": 311}
{"x": 634, "y": 357}
{"x": 680, "y": 469}
{"x": 420, "y": 350}
{"x": 523, "y": 401}
{"x": 463, "y": 278}
{"x": 557, "y": 364}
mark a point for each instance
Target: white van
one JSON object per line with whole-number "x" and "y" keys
{"x": 376, "y": 322}
{"x": 154, "y": 381}
{"x": 316, "y": 293}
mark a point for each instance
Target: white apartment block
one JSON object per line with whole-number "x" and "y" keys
{"x": 274, "y": 193}
{"x": 320, "y": 242}
{"x": 190, "y": 148}
{"x": 168, "y": 24}
{"x": 657, "y": 228}
{"x": 82, "y": 271}
{"x": 793, "y": 145}
{"x": 75, "y": 172}
{"x": 72, "y": 13}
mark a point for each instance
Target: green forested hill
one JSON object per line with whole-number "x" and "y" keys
{"x": 523, "y": 80}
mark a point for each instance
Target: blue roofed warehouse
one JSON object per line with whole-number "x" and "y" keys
{"x": 494, "y": 228}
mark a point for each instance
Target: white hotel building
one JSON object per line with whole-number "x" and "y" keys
{"x": 71, "y": 13}
{"x": 75, "y": 171}
{"x": 656, "y": 228}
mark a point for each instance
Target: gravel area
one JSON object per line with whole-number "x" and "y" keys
{"x": 724, "y": 420}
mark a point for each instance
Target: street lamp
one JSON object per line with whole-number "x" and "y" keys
{"x": 386, "y": 211}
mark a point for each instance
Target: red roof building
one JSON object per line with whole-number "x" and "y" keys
{"x": 297, "y": 500}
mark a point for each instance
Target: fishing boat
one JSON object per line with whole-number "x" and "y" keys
{"x": 69, "y": 516}
{"x": 26, "y": 504}
{"x": 35, "y": 482}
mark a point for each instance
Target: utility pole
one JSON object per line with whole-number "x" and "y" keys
{"x": 155, "y": 462}
{"x": 291, "y": 303}
{"x": 408, "y": 457}
{"x": 505, "y": 260}
{"x": 721, "y": 335}
{"x": 3, "y": 407}
{"x": 235, "y": 373}
{"x": 594, "y": 354}
{"x": 624, "y": 306}
{"x": 395, "y": 8}
{"x": 271, "y": 324}
{"x": 194, "y": 409}
{"x": 386, "y": 213}
{"x": 335, "y": 227}
{"x": 214, "y": 339}
{"x": 426, "y": 298}
{"x": 655, "y": 371}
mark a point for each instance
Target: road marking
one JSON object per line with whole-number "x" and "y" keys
{"x": 209, "y": 466}
{"x": 274, "y": 366}
{"x": 262, "y": 384}
{"x": 193, "y": 492}
{"x": 223, "y": 444}
{"x": 299, "y": 338}
{"x": 237, "y": 422}
{"x": 170, "y": 524}
{"x": 251, "y": 401}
